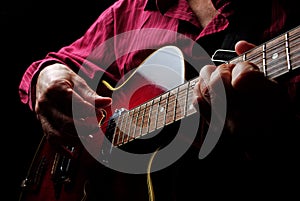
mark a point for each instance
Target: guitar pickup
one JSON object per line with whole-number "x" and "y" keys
{"x": 61, "y": 172}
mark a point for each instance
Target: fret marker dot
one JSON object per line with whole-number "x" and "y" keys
{"x": 275, "y": 56}
{"x": 161, "y": 109}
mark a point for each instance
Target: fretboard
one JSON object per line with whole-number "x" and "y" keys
{"x": 274, "y": 58}
{"x": 277, "y": 56}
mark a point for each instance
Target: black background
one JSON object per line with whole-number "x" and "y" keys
{"x": 29, "y": 30}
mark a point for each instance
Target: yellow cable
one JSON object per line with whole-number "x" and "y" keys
{"x": 149, "y": 180}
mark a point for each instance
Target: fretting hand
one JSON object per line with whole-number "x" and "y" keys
{"x": 255, "y": 105}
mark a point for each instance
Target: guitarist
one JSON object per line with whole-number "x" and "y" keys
{"x": 261, "y": 113}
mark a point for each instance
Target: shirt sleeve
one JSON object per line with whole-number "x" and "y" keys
{"x": 84, "y": 54}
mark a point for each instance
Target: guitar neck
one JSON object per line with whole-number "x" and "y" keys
{"x": 274, "y": 58}
{"x": 163, "y": 110}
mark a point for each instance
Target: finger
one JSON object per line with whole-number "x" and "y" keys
{"x": 220, "y": 83}
{"x": 90, "y": 95}
{"x": 243, "y": 46}
{"x": 102, "y": 102}
{"x": 82, "y": 108}
{"x": 246, "y": 76}
{"x": 201, "y": 92}
{"x": 222, "y": 73}
{"x": 204, "y": 81}
{"x": 221, "y": 91}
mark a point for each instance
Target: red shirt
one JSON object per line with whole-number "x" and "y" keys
{"x": 103, "y": 48}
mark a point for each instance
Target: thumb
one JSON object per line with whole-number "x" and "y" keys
{"x": 101, "y": 101}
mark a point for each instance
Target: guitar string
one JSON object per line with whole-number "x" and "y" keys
{"x": 258, "y": 54}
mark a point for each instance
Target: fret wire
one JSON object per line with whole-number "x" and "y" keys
{"x": 187, "y": 95}
{"x": 190, "y": 98}
{"x": 116, "y": 135}
{"x": 140, "y": 121}
{"x": 166, "y": 107}
{"x": 162, "y": 111}
{"x": 130, "y": 117}
{"x": 176, "y": 103}
{"x": 154, "y": 113}
{"x": 119, "y": 127}
{"x": 147, "y": 122}
{"x": 264, "y": 60}
{"x": 181, "y": 100}
{"x": 244, "y": 57}
{"x": 294, "y": 49}
{"x": 124, "y": 128}
{"x": 171, "y": 110}
{"x": 134, "y": 122}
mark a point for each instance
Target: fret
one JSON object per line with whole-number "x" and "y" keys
{"x": 146, "y": 121}
{"x": 125, "y": 126}
{"x": 154, "y": 114}
{"x": 134, "y": 123}
{"x": 116, "y": 133}
{"x": 171, "y": 106}
{"x": 294, "y": 44}
{"x": 257, "y": 56}
{"x": 181, "y": 101}
{"x": 244, "y": 57}
{"x": 139, "y": 124}
{"x": 276, "y": 57}
{"x": 122, "y": 128}
{"x": 118, "y": 137}
{"x": 190, "y": 98}
{"x": 264, "y": 60}
{"x": 287, "y": 51}
{"x": 162, "y": 111}
{"x": 129, "y": 116}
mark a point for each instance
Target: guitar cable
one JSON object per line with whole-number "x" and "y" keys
{"x": 149, "y": 180}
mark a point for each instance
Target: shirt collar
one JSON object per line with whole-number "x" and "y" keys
{"x": 164, "y": 5}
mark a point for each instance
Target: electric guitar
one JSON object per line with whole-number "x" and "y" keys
{"x": 161, "y": 99}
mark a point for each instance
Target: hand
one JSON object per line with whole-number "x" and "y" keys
{"x": 255, "y": 105}
{"x": 63, "y": 100}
